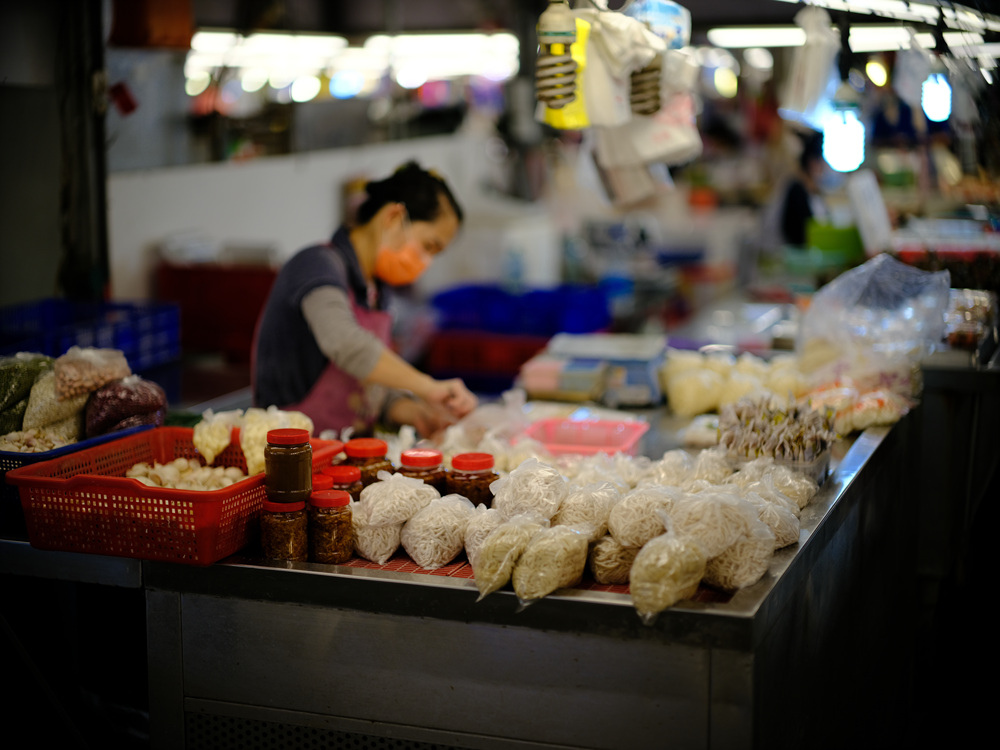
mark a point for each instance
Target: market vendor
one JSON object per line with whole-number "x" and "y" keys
{"x": 322, "y": 342}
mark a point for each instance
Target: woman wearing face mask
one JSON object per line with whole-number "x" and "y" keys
{"x": 321, "y": 345}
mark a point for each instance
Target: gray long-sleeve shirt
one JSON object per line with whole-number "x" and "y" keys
{"x": 308, "y": 322}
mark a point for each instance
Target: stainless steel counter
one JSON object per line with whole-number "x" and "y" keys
{"x": 247, "y": 653}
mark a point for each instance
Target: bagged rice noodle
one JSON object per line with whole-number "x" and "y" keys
{"x": 778, "y": 517}
{"x": 639, "y": 515}
{"x": 722, "y": 363}
{"x": 395, "y": 498}
{"x": 374, "y": 543}
{"x": 533, "y": 487}
{"x": 765, "y": 489}
{"x": 793, "y": 484}
{"x": 610, "y": 562}
{"x": 681, "y": 360}
{"x": 715, "y": 519}
{"x": 743, "y": 563}
{"x": 590, "y": 505}
{"x": 436, "y": 534}
{"x": 501, "y": 550}
{"x": 751, "y": 471}
{"x": 480, "y": 526}
{"x": 711, "y": 464}
{"x": 673, "y": 470}
{"x": 554, "y": 558}
{"x": 666, "y": 570}
{"x": 525, "y": 449}
{"x": 598, "y": 468}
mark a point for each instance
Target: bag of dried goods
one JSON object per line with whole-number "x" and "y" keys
{"x": 765, "y": 489}
{"x": 793, "y": 484}
{"x": 480, "y": 526}
{"x": 554, "y": 558}
{"x": 711, "y": 464}
{"x": 596, "y": 469}
{"x": 715, "y": 519}
{"x": 374, "y": 543}
{"x": 501, "y": 550}
{"x": 778, "y": 517}
{"x": 744, "y": 562}
{"x": 124, "y": 403}
{"x": 85, "y": 369}
{"x": 610, "y": 562}
{"x": 639, "y": 515}
{"x": 396, "y": 498}
{"x": 533, "y": 487}
{"x": 45, "y": 410}
{"x": 435, "y": 535}
{"x": 18, "y": 374}
{"x": 666, "y": 570}
{"x": 590, "y": 505}
{"x": 674, "y": 469}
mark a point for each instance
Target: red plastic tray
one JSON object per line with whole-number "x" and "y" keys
{"x": 587, "y": 436}
{"x": 83, "y": 502}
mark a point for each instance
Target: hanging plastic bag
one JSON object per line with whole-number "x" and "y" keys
{"x": 871, "y": 325}
{"x": 812, "y": 63}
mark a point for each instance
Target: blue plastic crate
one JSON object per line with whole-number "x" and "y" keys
{"x": 147, "y": 334}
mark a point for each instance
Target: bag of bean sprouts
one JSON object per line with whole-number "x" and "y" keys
{"x": 436, "y": 534}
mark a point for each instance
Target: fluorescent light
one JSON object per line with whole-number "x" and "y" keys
{"x": 737, "y": 37}
{"x": 864, "y": 38}
{"x": 935, "y": 98}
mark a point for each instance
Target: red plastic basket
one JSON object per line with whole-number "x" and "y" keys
{"x": 83, "y": 502}
{"x": 587, "y": 436}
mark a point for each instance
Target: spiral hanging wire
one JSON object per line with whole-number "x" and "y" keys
{"x": 555, "y": 77}
{"x": 645, "y": 89}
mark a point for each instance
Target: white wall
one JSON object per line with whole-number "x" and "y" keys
{"x": 290, "y": 202}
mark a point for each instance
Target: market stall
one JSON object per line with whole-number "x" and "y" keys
{"x": 252, "y": 653}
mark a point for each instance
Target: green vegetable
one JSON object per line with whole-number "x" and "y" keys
{"x": 17, "y": 375}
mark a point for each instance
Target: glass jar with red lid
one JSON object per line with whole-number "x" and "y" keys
{"x": 284, "y": 531}
{"x": 331, "y": 533}
{"x": 426, "y": 464}
{"x": 471, "y": 476}
{"x": 288, "y": 465}
{"x": 346, "y": 478}
{"x": 369, "y": 455}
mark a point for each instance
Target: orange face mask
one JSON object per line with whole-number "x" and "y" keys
{"x": 402, "y": 266}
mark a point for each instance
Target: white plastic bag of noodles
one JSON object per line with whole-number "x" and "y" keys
{"x": 501, "y": 550}
{"x": 590, "y": 504}
{"x": 640, "y": 514}
{"x": 533, "y": 487}
{"x": 714, "y": 518}
{"x": 374, "y": 543}
{"x": 779, "y": 518}
{"x": 555, "y": 558}
{"x": 666, "y": 570}
{"x": 435, "y": 535}
{"x": 480, "y": 526}
{"x": 610, "y": 562}
{"x": 395, "y": 499}
{"x": 744, "y": 562}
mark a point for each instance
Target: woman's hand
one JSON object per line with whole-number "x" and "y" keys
{"x": 451, "y": 395}
{"x": 428, "y": 420}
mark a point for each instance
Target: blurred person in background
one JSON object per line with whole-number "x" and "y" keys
{"x": 322, "y": 342}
